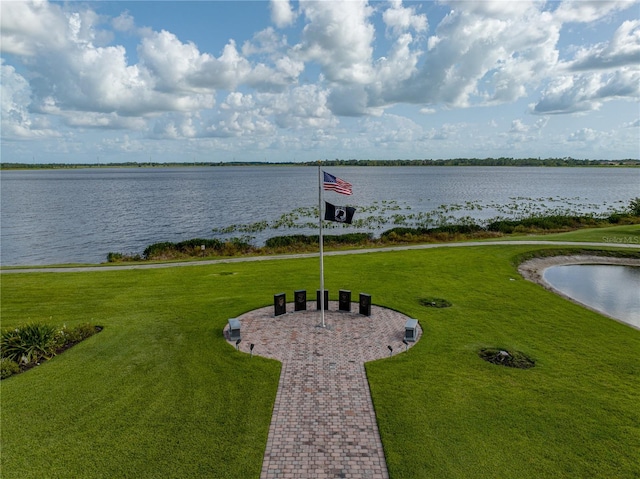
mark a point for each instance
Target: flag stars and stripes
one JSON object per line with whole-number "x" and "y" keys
{"x": 333, "y": 183}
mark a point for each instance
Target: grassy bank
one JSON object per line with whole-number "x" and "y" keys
{"x": 615, "y": 235}
{"x": 159, "y": 393}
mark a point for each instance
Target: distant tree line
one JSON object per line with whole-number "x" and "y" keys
{"x": 502, "y": 161}
{"x": 568, "y": 161}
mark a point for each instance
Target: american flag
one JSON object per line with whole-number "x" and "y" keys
{"x": 333, "y": 183}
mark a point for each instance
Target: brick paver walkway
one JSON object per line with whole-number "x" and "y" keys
{"x": 323, "y": 423}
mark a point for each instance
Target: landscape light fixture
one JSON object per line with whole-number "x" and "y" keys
{"x": 390, "y": 350}
{"x": 251, "y": 350}
{"x": 411, "y": 330}
{"x": 406, "y": 345}
{"x": 234, "y": 329}
{"x": 238, "y": 344}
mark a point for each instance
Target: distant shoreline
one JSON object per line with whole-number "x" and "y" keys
{"x": 486, "y": 162}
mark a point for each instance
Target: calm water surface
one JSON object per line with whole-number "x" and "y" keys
{"x": 80, "y": 215}
{"x": 612, "y": 289}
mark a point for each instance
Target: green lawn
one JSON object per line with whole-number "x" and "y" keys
{"x": 159, "y": 393}
{"x": 613, "y": 235}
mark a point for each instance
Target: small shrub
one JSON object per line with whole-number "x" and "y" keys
{"x": 8, "y": 367}
{"x": 306, "y": 240}
{"x": 435, "y": 302}
{"x": 70, "y": 336}
{"x": 503, "y": 226}
{"x": 290, "y": 240}
{"x": 235, "y": 246}
{"x": 114, "y": 257}
{"x": 157, "y": 249}
{"x": 464, "y": 229}
{"x": 403, "y": 233}
{"x": 616, "y": 218}
{"x": 121, "y": 257}
{"x": 502, "y": 357}
{"x": 195, "y": 244}
{"x": 193, "y": 247}
{"x": 348, "y": 238}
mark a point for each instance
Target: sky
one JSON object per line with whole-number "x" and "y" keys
{"x": 289, "y": 81}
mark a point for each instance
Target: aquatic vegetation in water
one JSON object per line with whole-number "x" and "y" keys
{"x": 401, "y": 224}
{"x": 518, "y": 215}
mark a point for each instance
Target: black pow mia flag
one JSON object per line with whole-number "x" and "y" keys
{"x": 339, "y": 214}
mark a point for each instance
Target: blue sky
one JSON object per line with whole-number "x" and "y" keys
{"x": 165, "y": 81}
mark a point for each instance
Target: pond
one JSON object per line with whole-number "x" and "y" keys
{"x": 612, "y": 289}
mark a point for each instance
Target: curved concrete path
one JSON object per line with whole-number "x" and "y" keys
{"x": 244, "y": 259}
{"x": 323, "y": 423}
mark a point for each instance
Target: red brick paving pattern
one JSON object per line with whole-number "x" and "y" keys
{"x": 323, "y": 423}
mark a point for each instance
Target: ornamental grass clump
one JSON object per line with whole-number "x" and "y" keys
{"x": 29, "y": 343}
{"x": 26, "y": 346}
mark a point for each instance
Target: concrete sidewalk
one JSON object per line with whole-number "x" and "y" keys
{"x": 323, "y": 423}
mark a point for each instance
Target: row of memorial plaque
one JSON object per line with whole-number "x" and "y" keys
{"x": 300, "y": 301}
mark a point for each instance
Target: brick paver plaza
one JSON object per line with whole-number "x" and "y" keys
{"x": 323, "y": 423}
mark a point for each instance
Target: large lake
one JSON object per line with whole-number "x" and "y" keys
{"x": 80, "y": 215}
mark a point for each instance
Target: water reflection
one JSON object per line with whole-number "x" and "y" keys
{"x": 612, "y": 289}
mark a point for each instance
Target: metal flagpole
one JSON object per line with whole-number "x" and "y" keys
{"x": 320, "y": 242}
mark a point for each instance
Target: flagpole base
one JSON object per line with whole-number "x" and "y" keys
{"x": 325, "y": 326}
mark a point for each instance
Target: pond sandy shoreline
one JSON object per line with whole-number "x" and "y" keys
{"x": 533, "y": 269}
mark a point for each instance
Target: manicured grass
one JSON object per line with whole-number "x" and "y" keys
{"x": 614, "y": 235}
{"x": 444, "y": 412}
{"x": 159, "y": 393}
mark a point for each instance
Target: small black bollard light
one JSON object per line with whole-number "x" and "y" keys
{"x": 251, "y": 350}
{"x": 390, "y": 350}
{"x": 238, "y": 344}
{"x": 406, "y": 345}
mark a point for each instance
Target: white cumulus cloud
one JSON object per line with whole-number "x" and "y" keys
{"x": 281, "y": 13}
{"x": 339, "y": 36}
{"x": 17, "y": 122}
{"x": 314, "y": 69}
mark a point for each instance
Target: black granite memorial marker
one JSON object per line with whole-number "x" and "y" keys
{"x": 344, "y": 300}
{"x": 365, "y": 304}
{"x": 300, "y": 299}
{"x": 279, "y": 304}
